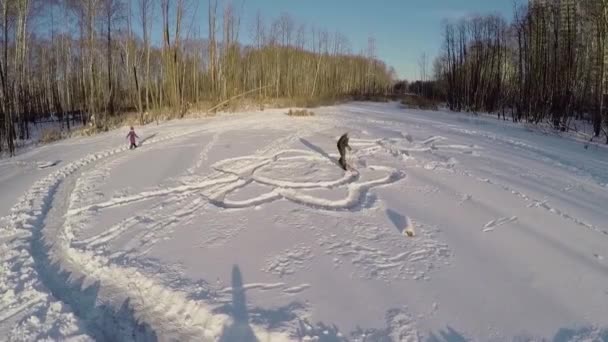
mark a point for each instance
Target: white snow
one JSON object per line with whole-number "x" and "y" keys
{"x": 243, "y": 226}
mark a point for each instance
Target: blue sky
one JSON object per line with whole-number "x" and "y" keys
{"x": 403, "y": 29}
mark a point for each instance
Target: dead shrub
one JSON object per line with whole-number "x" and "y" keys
{"x": 51, "y": 134}
{"x": 419, "y": 102}
{"x": 300, "y": 112}
{"x": 303, "y": 102}
{"x": 371, "y": 98}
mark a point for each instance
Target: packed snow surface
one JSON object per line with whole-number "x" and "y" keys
{"x": 242, "y": 227}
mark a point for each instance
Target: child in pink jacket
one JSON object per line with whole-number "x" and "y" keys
{"x": 132, "y": 136}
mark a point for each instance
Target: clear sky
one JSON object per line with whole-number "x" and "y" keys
{"x": 403, "y": 29}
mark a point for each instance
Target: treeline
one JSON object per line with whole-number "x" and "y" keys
{"x": 546, "y": 65}
{"x": 90, "y": 60}
{"x": 430, "y": 89}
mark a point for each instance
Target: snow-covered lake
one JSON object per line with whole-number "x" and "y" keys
{"x": 243, "y": 227}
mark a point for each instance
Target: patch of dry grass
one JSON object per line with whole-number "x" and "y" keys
{"x": 113, "y": 122}
{"x": 419, "y": 102}
{"x": 304, "y": 102}
{"x": 51, "y": 134}
{"x": 201, "y": 109}
{"x": 371, "y": 98}
{"x": 300, "y": 113}
{"x": 259, "y": 104}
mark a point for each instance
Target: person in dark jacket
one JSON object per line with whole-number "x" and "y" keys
{"x": 342, "y": 146}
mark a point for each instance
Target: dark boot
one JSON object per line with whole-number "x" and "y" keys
{"x": 342, "y": 162}
{"x": 342, "y": 146}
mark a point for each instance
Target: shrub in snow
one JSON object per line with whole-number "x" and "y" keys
{"x": 300, "y": 112}
{"x": 50, "y": 135}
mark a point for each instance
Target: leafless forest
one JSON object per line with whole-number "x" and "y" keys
{"x": 547, "y": 65}
{"x": 88, "y": 61}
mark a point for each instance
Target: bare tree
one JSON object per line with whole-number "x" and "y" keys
{"x": 423, "y": 63}
{"x": 78, "y": 68}
{"x": 547, "y": 66}
{"x": 145, "y": 13}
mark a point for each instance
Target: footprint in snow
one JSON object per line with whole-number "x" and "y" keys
{"x": 409, "y": 138}
{"x": 492, "y": 225}
{"x": 464, "y": 198}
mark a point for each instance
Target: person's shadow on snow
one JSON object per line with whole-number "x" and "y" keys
{"x": 142, "y": 141}
{"x": 319, "y": 150}
{"x": 398, "y": 220}
{"x": 239, "y": 330}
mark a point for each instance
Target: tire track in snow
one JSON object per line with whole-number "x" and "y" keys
{"x": 170, "y": 307}
{"x": 97, "y": 272}
{"x": 356, "y": 191}
{"x": 26, "y": 221}
{"x": 120, "y": 201}
{"x": 234, "y": 180}
{"x": 179, "y": 314}
{"x": 155, "y": 225}
{"x": 30, "y": 208}
{"x": 218, "y": 184}
{"x": 288, "y": 189}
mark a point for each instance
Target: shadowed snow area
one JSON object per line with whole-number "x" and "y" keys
{"x": 243, "y": 227}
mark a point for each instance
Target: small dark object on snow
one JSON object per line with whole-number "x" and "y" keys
{"x": 342, "y": 146}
